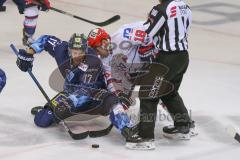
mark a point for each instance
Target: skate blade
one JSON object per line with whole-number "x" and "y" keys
{"x": 177, "y": 136}
{"x": 140, "y": 146}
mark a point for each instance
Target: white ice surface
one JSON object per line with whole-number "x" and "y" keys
{"x": 210, "y": 87}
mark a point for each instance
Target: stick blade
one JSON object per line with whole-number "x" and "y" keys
{"x": 109, "y": 21}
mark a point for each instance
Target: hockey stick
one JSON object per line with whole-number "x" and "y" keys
{"x": 101, "y": 24}
{"x": 76, "y": 136}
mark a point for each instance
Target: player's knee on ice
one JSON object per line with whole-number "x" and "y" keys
{"x": 2, "y": 79}
{"x": 44, "y": 118}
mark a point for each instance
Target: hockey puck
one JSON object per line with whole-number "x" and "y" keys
{"x": 95, "y": 145}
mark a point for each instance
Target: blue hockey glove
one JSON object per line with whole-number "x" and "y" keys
{"x": 44, "y": 118}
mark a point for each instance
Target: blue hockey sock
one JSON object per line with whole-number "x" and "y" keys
{"x": 119, "y": 118}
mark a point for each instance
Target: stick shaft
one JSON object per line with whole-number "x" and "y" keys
{"x": 107, "y": 22}
{"x": 33, "y": 77}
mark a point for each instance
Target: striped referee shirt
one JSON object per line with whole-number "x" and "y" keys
{"x": 168, "y": 23}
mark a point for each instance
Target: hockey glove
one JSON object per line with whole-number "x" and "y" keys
{"x": 125, "y": 100}
{"x": 146, "y": 53}
{"x": 24, "y": 60}
{"x": 44, "y": 118}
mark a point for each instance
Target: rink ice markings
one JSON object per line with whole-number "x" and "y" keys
{"x": 106, "y": 151}
{"x": 214, "y": 128}
{"x": 215, "y": 61}
{"x": 219, "y": 151}
{"x": 203, "y": 121}
{"x": 222, "y": 33}
{"x": 15, "y": 152}
{"x": 100, "y": 9}
{"x": 84, "y": 147}
{"x": 225, "y": 142}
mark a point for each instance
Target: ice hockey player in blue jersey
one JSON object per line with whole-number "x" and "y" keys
{"x": 85, "y": 87}
{"x": 2, "y": 80}
{"x": 30, "y": 9}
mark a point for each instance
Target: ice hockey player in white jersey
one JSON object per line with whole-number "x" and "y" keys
{"x": 118, "y": 52}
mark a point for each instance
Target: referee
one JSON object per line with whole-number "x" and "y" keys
{"x": 168, "y": 23}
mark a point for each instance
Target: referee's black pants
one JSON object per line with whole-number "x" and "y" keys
{"x": 177, "y": 62}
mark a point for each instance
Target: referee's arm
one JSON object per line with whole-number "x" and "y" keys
{"x": 156, "y": 20}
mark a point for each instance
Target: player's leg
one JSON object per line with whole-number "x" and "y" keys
{"x": 2, "y": 8}
{"x": 178, "y": 64}
{"x": 111, "y": 105}
{"x": 46, "y": 115}
{"x": 121, "y": 121}
{"x": 30, "y": 23}
{"x": 100, "y": 102}
{"x": 30, "y": 12}
{"x": 179, "y": 114}
{"x": 148, "y": 113}
{"x": 2, "y": 79}
{"x": 193, "y": 131}
{"x": 63, "y": 106}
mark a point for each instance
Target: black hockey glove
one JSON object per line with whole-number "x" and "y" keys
{"x": 24, "y": 60}
{"x": 125, "y": 99}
